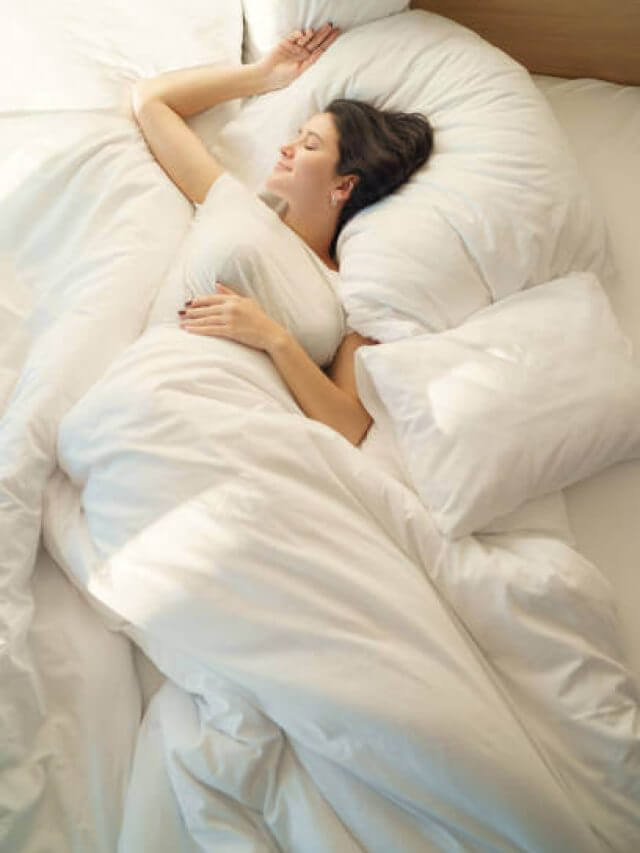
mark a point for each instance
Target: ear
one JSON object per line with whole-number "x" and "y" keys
{"x": 346, "y": 186}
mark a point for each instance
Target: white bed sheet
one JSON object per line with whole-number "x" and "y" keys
{"x": 602, "y": 121}
{"x": 83, "y": 726}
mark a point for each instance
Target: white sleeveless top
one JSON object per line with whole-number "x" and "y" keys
{"x": 238, "y": 238}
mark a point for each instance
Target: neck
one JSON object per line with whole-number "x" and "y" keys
{"x": 316, "y": 230}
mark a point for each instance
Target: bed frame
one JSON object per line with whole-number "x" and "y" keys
{"x": 564, "y": 38}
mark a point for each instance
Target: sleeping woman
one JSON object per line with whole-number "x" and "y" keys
{"x": 279, "y": 265}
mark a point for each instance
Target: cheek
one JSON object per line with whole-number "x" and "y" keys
{"x": 315, "y": 172}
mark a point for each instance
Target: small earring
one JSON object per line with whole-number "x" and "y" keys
{"x": 333, "y": 200}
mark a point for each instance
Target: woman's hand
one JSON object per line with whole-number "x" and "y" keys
{"x": 225, "y": 314}
{"x": 294, "y": 54}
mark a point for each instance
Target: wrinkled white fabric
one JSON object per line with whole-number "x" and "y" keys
{"x": 236, "y": 539}
{"x": 83, "y": 268}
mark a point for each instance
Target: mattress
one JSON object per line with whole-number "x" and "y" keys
{"x": 602, "y": 121}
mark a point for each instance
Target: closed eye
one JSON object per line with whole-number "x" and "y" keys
{"x": 307, "y": 134}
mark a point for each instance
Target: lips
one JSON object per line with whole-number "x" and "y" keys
{"x": 283, "y": 167}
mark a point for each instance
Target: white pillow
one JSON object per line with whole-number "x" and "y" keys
{"x": 499, "y": 207}
{"x": 266, "y": 21}
{"x": 527, "y": 397}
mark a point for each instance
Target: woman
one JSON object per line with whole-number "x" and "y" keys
{"x": 343, "y": 159}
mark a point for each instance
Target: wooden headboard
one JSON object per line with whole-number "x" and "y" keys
{"x": 565, "y": 38}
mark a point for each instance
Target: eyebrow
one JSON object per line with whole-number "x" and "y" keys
{"x": 311, "y": 133}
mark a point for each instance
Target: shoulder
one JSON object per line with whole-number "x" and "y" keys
{"x": 224, "y": 185}
{"x": 231, "y": 201}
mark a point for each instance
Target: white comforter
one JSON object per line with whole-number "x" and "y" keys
{"x": 325, "y": 638}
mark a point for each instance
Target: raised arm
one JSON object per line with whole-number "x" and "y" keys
{"x": 191, "y": 90}
{"x": 160, "y": 104}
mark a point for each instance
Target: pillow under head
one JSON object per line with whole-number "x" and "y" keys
{"x": 499, "y": 206}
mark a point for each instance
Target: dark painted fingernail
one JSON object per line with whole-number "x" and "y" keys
{"x": 189, "y": 302}
{"x": 182, "y": 313}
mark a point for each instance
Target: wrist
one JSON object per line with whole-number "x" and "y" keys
{"x": 278, "y": 341}
{"x": 263, "y": 76}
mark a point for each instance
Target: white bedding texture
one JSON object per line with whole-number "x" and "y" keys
{"x": 418, "y": 644}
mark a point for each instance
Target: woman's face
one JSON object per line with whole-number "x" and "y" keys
{"x": 306, "y": 169}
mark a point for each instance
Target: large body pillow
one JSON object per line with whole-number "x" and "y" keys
{"x": 266, "y": 21}
{"x": 525, "y": 398}
{"x": 499, "y": 207}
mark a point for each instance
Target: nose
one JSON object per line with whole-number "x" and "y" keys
{"x": 286, "y": 150}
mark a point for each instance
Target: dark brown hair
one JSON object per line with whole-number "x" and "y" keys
{"x": 382, "y": 148}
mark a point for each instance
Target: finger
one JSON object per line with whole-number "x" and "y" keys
{"x": 199, "y": 301}
{"x": 330, "y": 38}
{"x": 317, "y": 53}
{"x": 205, "y": 311}
{"x": 319, "y": 37}
{"x": 203, "y": 321}
{"x": 306, "y": 37}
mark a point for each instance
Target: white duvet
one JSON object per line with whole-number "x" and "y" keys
{"x": 468, "y": 694}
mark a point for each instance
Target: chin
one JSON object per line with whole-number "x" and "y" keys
{"x": 274, "y": 185}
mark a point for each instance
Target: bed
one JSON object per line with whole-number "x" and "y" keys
{"x": 385, "y": 687}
